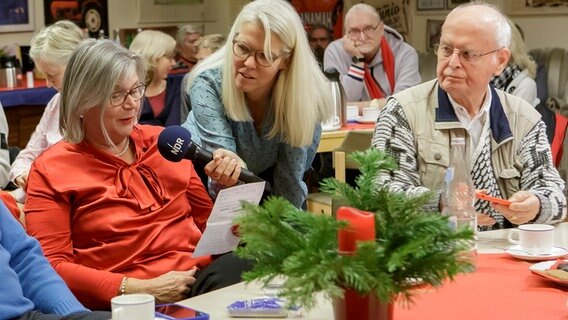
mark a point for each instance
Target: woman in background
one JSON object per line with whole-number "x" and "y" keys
{"x": 259, "y": 101}
{"x": 50, "y": 50}
{"x": 161, "y": 104}
{"x": 518, "y": 77}
{"x": 209, "y": 44}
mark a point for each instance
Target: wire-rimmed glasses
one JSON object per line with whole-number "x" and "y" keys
{"x": 446, "y": 51}
{"x": 367, "y": 31}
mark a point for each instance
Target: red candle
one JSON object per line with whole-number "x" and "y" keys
{"x": 361, "y": 228}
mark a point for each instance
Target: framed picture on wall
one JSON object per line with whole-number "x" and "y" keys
{"x": 16, "y": 15}
{"x": 434, "y": 30}
{"x": 90, "y": 15}
{"x": 430, "y": 5}
{"x": 454, "y": 3}
{"x": 542, "y": 7}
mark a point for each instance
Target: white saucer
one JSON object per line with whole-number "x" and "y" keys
{"x": 517, "y": 252}
{"x": 330, "y": 128}
{"x": 540, "y": 269}
{"x": 363, "y": 120}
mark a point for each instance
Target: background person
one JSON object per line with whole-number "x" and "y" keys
{"x": 518, "y": 76}
{"x": 320, "y": 37}
{"x": 187, "y": 36}
{"x": 30, "y": 288}
{"x": 510, "y": 154}
{"x": 161, "y": 102}
{"x": 50, "y": 50}
{"x": 372, "y": 58}
{"x": 259, "y": 101}
{"x": 126, "y": 220}
{"x": 209, "y": 44}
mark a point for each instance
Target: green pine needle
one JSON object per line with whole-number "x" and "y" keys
{"x": 410, "y": 243}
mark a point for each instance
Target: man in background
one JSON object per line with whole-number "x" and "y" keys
{"x": 373, "y": 59}
{"x": 319, "y": 37}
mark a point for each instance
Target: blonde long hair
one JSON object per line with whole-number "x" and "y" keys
{"x": 301, "y": 93}
{"x": 519, "y": 53}
{"x": 152, "y": 45}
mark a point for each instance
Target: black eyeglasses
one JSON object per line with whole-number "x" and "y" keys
{"x": 119, "y": 97}
{"x": 243, "y": 51}
{"x": 446, "y": 51}
{"x": 367, "y": 31}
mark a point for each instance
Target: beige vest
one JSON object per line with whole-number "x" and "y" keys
{"x": 432, "y": 138}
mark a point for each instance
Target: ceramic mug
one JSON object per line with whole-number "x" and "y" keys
{"x": 332, "y": 123}
{"x": 533, "y": 238}
{"x": 133, "y": 306}
{"x": 370, "y": 114}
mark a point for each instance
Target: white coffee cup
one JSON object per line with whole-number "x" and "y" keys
{"x": 370, "y": 114}
{"x": 352, "y": 113}
{"x": 332, "y": 123}
{"x": 133, "y": 306}
{"x": 533, "y": 238}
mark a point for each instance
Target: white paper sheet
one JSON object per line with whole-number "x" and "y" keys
{"x": 218, "y": 237}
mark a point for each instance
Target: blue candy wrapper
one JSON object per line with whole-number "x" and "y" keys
{"x": 268, "y": 307}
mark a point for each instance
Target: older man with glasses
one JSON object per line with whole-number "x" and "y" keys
{"x": 507, "y": 144}
{"x": 373, "y": 59}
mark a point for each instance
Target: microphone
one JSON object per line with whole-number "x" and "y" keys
{"x": 174, "y": 144}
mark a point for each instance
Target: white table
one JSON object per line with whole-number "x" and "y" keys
{"x": 215, "y": 303}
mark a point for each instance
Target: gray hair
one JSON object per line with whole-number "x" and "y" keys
{"x": 93, "y": 72}
{"x": 183, "y": 30}
{"x": 362, "y": 7}
{"x": 502, "y": 32}
{"x": 56, "y": 43}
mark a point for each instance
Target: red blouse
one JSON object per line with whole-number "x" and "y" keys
{"x": 99, "y": 218}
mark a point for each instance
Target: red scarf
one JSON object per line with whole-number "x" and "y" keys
{"x": 388, "y": 65}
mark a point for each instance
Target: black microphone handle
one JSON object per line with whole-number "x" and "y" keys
{"x": 203, "y": 157}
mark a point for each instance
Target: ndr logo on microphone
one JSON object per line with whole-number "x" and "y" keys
{"x": 176, "y": 148}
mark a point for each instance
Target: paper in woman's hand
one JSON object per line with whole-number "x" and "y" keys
{"x": 218, "y": 237}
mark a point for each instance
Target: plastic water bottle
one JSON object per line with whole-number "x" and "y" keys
{"x": 458, "y": 196}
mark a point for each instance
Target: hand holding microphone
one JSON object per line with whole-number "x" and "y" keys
{"x": 174, "y": 144}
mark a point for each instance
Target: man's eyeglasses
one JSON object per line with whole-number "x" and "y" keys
{"x": 242, "y": 51}
{"x": 119, "y": 97}
{"x": 367, "y": 31}
{"x": 446, "y": 51}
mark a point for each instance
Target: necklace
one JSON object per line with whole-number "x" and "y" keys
{"x": 121, "y": 153}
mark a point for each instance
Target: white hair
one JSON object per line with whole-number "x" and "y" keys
{"x": 300, "y": 95}
{"x": 362, "y": 7}
{"x": 502, "y": 29}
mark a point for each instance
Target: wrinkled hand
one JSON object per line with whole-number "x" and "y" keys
{"x": 225, "y": 167}
{"x": 21, "y": 180}
{"x": 351, "y": 46}
{"x": 169, "y": 287}
{"x": 524, "y": 207}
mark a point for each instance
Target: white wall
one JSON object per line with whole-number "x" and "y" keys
{"x": 124, "y": 14}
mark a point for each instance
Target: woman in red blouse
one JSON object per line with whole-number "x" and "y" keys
{"x": 112, "y": 215}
